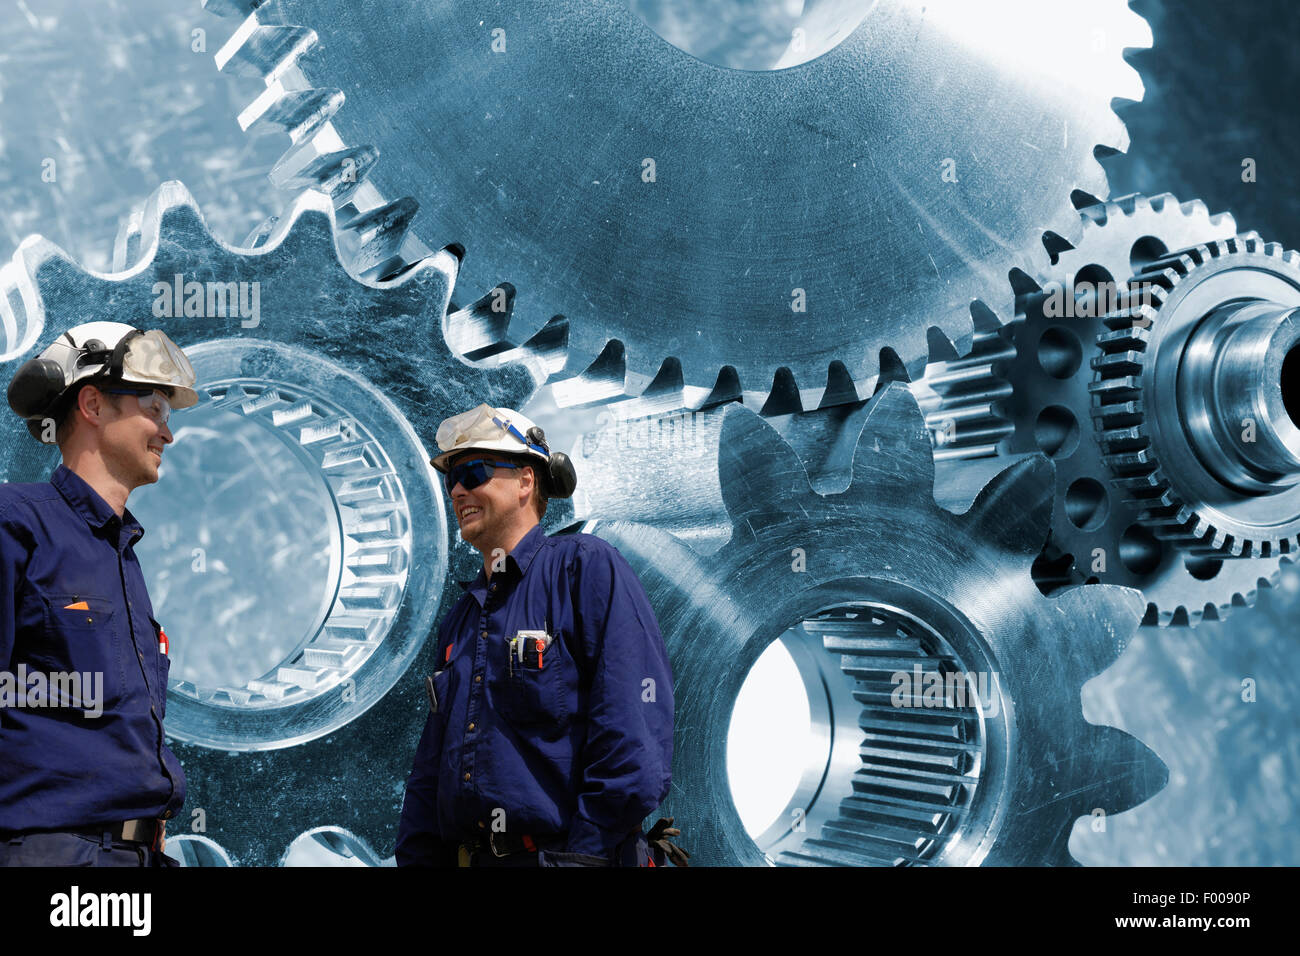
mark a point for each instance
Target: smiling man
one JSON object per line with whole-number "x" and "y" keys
{"x": 550, "y": 733}
{"x": 79, "y": 788}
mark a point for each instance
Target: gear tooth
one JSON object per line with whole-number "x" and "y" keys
{"x": 784, "y": 397}
{"x": 339, "y": 173}
{"x": 1134, "y": 772}
{"x": 165, "y": 201}
{"x": 726, "y": 388}
{"x": 478, "y": 331}
{"x": 380, "y": 234}
{"x": 1229, "y": 545}
{"x": 127, "y": 244}
{"x": 893, "y": 448}
{"x": 667, "y": 381}
{"x": 939, "y": 346}
{"x": 548, "y": 346}
{"x": 750, "y": 489}
{"x": 231, "y": 8}
{"x": 1022, "y": 283}
{"x": 22, "y": 314}
{"x": 984, "y": 319}
{"x": 264, "y": 51}
{"x": 1137, "y": 34}
{"x": 840, "y": 389}
{"x": 1014, "y": 510}
{"x": 297, "y": 113}
{"x": 1161, "y": 201}
{"x": 892, "y": 369}
{"x": 1137, "y": 202}
{"x": 1224, "y": 221}
{"x": 604, "y": 378}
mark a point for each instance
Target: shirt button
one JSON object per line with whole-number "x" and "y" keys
{"x": 477, "y": 678}
{"x": 467, "y": 778}
{"x": 471, "y": 727}
{"x": 481, "y": 825}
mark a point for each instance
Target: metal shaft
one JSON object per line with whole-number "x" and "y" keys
{"x": 1239, "y": 392}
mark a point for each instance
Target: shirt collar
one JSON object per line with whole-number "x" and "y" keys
{"x": 86, "y": 502}
{"x": 520, "y": 557}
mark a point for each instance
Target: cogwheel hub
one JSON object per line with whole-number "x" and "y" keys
{"x": 1197, "y": 396}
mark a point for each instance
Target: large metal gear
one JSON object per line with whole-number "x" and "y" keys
{"x": 297, "y": 546}
{"x": 880, "y": 179}
{"x": 1120, "y": 363}
{"x": 865, "y": 585}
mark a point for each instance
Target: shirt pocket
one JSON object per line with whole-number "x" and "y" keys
{"x": 164, "y": 663}
{"x": 79, "y": 635}
{"x": 533, "y": 695}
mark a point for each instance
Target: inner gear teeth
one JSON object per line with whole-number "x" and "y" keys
{"x": 919, "y": 768}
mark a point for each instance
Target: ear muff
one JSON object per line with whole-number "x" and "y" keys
{"x": 36, "y": 387}
{"x": 561, "y": 477}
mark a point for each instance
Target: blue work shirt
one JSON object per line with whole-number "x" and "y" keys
{"x": 580, "y": 747}
{"x": 75, "y": 601}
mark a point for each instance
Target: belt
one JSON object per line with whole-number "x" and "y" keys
{"x": 501, "y": 845}
{"x": 147, "y": 830}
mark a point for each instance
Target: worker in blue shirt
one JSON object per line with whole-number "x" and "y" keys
{"x": 549, "y": 737}
{"x": 86, "y": 778}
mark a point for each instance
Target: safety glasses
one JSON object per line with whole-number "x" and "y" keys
{"x": 152, "y": 403}
{"x": 470, "y": 474}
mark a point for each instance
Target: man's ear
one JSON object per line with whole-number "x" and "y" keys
{"x": 527, "y": 489}
{"x": 91, "y": 402}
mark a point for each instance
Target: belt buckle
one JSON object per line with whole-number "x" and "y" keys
{"x": 139, "y": 831}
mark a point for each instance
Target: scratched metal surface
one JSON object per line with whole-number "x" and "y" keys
{"x": 115, "y": 95}
{"x": 113, "y": 92}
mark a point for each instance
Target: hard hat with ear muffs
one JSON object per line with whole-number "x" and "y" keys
{"x": 504, "y": 430}
{"x": 108, "y": 352}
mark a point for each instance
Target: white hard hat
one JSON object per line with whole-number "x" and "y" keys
{"x": 489, "y": 429}
{"x": 104, "y": 351}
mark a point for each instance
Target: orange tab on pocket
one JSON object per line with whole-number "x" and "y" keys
{"x": 79, "y": 606}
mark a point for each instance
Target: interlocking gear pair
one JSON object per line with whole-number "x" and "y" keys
{"x": 902, "y": 771}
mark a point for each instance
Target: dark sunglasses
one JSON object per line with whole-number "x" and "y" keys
{"x": 470, "y": 474}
